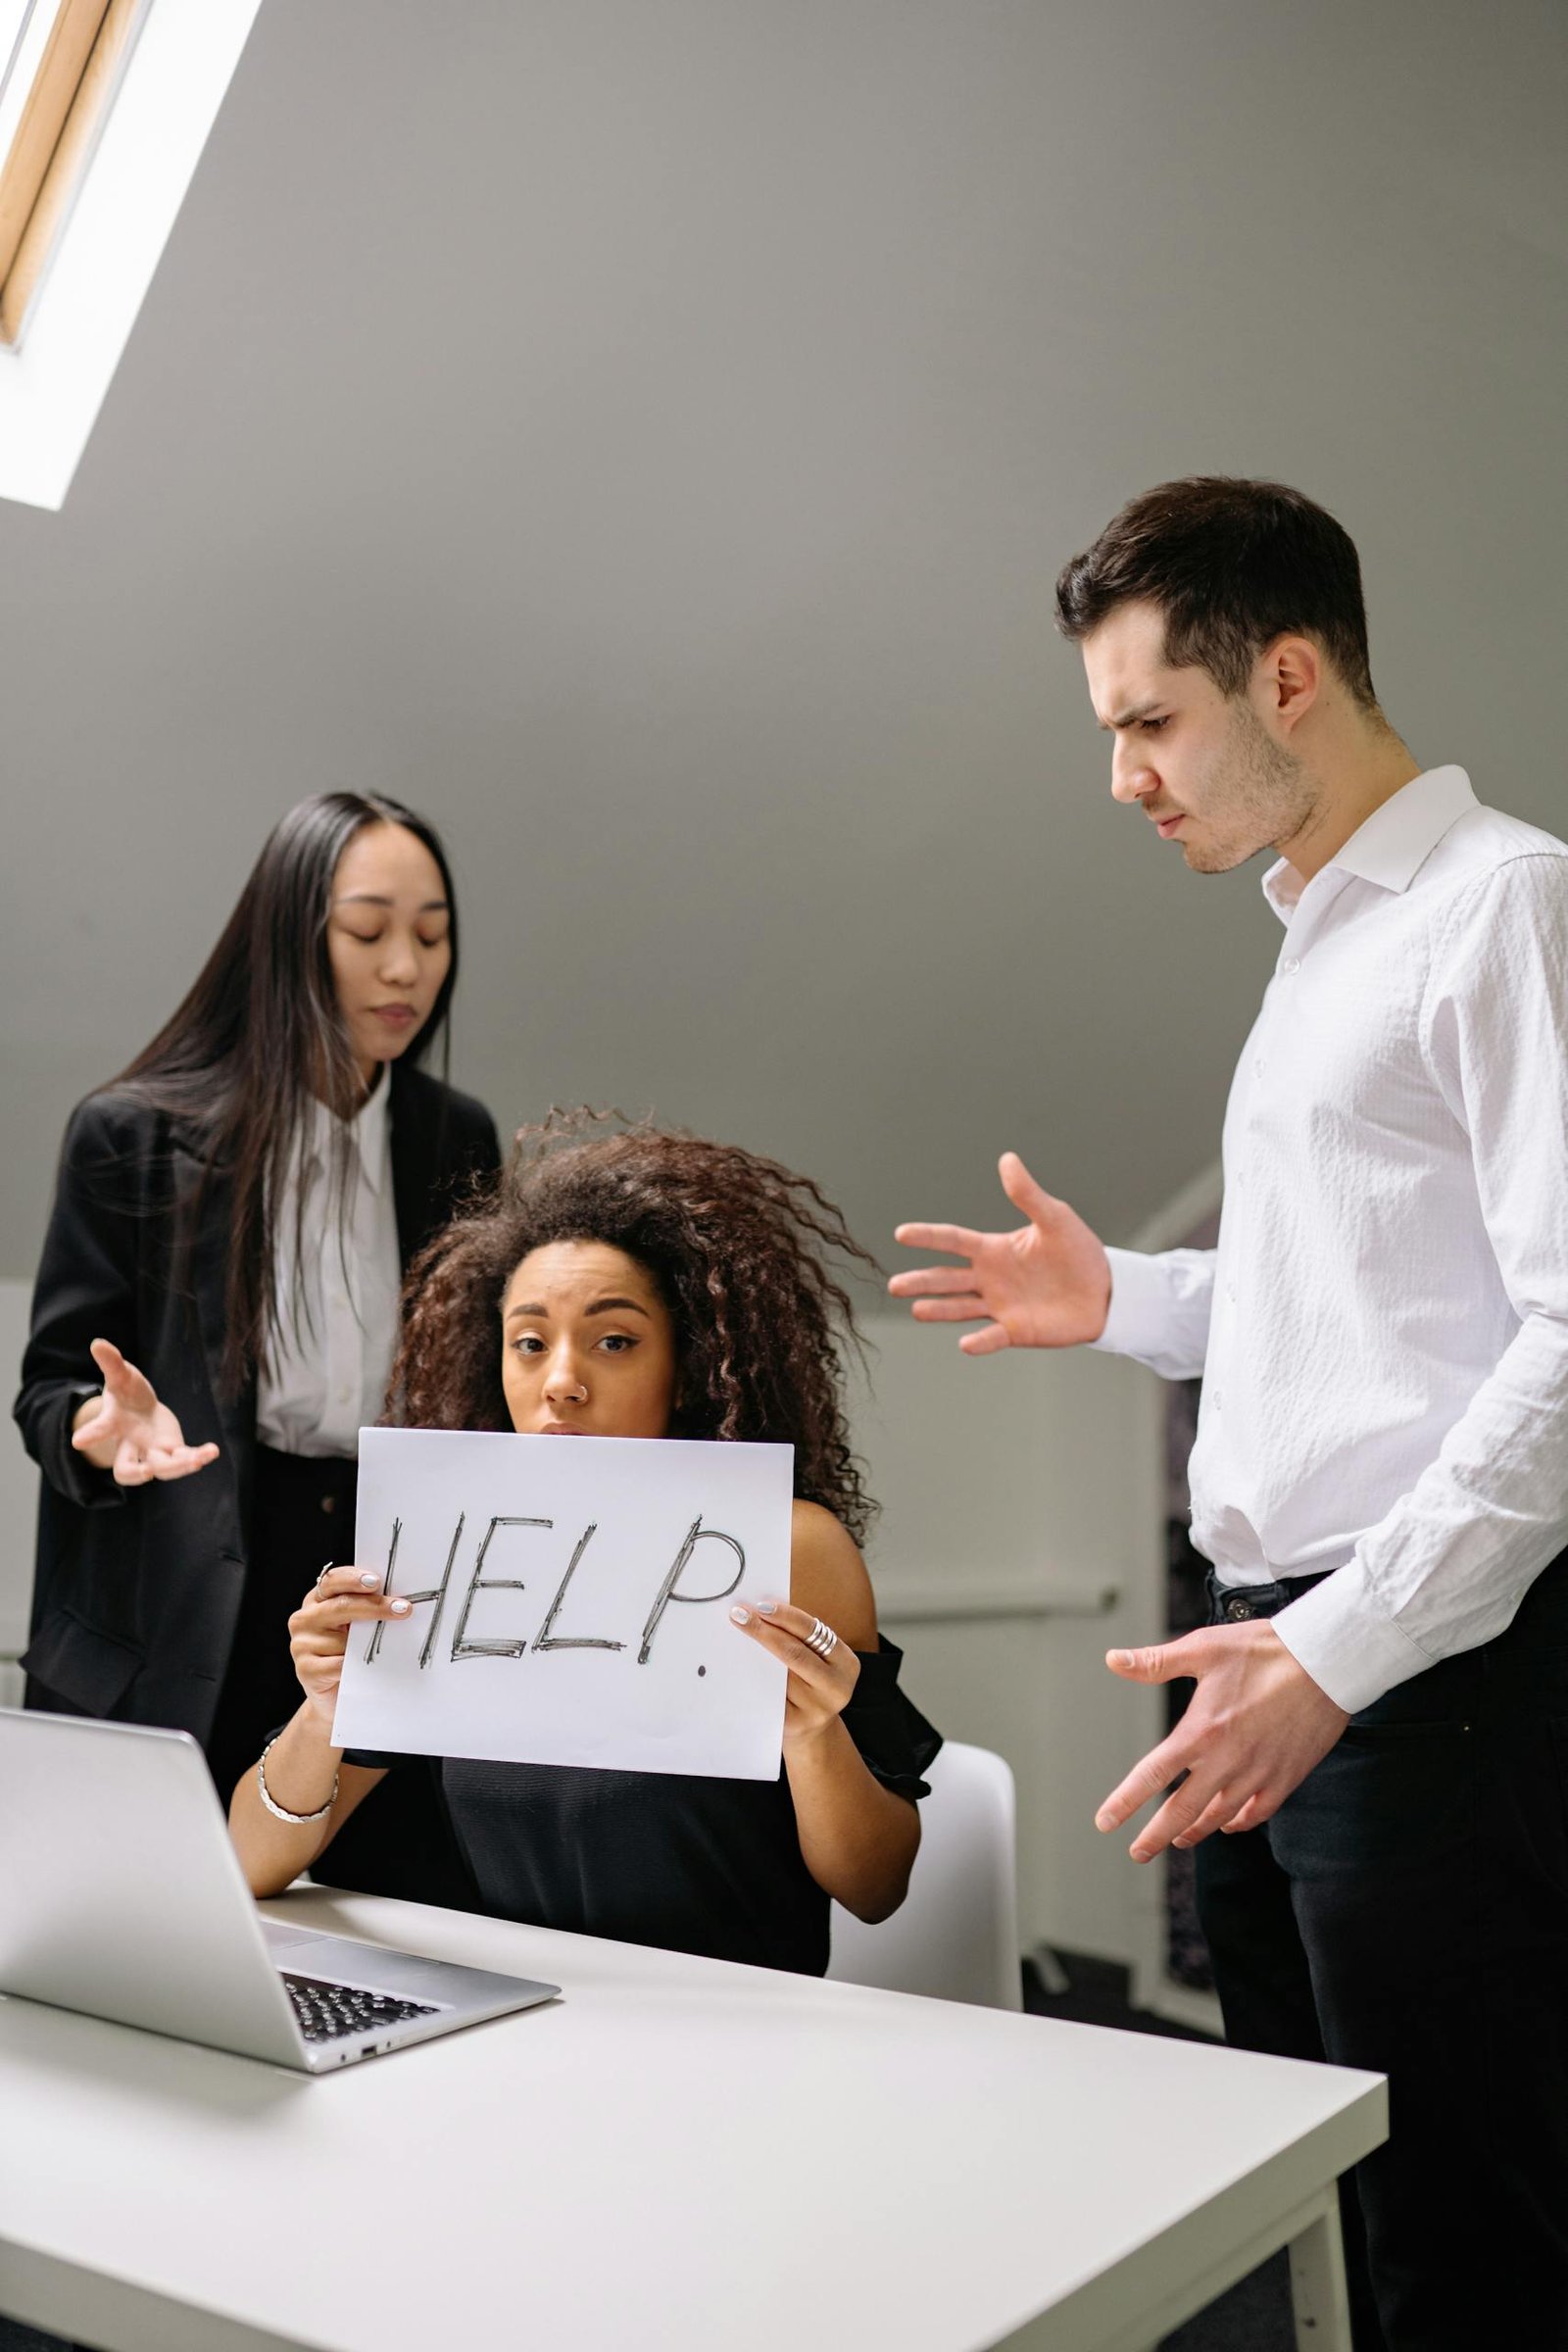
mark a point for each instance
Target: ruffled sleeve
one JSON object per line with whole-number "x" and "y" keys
{"x": 894, "y": 1737}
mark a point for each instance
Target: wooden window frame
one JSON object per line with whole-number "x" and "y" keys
{"x": 66, "y": 110}
{"x": 127, "y": 145}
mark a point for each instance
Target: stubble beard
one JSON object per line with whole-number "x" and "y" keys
{"x": 1256, "y": 795}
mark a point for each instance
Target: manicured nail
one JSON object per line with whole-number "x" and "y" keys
{"x": 767, "y": 1607}
{"x": 401, "y": 1608}
{"x": 741, "y": 1616}
{"x": 368, "y": 1579}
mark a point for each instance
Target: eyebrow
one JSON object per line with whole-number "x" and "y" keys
{"x": 1130, "y": 718}
{"x": 600, "y": 1307}
{"x": 372, "y": 898}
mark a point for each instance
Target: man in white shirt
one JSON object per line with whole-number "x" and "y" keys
{"x": 1380, "y": 1722}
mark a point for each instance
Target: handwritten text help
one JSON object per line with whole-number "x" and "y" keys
{"x": 570, "y": 1601}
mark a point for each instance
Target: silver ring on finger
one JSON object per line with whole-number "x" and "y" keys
{"x": 821, "y": 1638}
{"x": 327, "y": 1567}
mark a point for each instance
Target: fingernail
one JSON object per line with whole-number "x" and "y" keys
{"x": 1140, "y": 1853}
{"x": 368, "y": 1579}
{"x": 1103, "y": 1821}
{"x": 767, "y": 1607}
{"x": 741, "y": 1616}
{"x": 401, "y": 1608}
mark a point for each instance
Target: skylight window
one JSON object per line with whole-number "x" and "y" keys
{"x": 65, "y": 60}
{"x": 105, "y": 107}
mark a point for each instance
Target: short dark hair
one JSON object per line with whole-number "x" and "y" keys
{"x": 1231, "y": 565}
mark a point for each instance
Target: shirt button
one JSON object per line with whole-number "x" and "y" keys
{"x": 1290, "y": 965}
{"x": 1230, "y": 1292}
{"x": 330, "y": 1504}
{"x": 1236, "y": 1609}
{"x": 1259, "y": 1065}
{"x": 1215, "y": 1400}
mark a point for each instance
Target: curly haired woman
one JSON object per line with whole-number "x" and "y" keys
{"x": 643, "y": 1284}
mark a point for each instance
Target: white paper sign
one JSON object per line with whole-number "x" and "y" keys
{"x": 571, "y": 1600}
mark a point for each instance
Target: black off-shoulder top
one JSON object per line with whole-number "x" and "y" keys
{"x": 694, "y": 1864}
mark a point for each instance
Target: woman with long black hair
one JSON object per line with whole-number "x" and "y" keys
{"x": 217, "y": 1308}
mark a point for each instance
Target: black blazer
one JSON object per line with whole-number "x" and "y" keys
{"x": 138, "y": 1590}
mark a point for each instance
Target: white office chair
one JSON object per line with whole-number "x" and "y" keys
{"x": 955, "y": 1933}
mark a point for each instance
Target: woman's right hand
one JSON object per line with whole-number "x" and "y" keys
{"x": 128, "y": 1431}
{"x": 318, "y": 1630}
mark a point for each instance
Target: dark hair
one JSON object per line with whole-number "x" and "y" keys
{"x": 261, "y": 1035}
{"x": 737, "y": 1246}
{"x": 1230, "y": 564}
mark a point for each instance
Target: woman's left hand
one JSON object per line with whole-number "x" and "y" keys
{"x": 818, "y": 1688}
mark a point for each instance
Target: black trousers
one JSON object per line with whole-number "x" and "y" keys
{"x": 1406, "y": 1909}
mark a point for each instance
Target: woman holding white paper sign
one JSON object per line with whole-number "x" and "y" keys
{"x": 643, "y": 1285}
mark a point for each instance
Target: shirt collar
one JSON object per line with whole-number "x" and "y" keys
{"x": 368, "y": 1131}
{"x": 1394, "y": 844}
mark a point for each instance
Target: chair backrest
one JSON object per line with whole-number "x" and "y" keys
{"x": 955, "y": 1933}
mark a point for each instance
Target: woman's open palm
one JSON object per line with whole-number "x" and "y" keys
{"x": 131, "y": 1433}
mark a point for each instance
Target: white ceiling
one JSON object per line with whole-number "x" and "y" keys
{"x": 644, "y": 433}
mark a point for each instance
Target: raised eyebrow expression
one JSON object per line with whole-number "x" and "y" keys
{"x": 600, "y": 1306}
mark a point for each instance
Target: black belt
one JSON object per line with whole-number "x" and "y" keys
{"x": 1233, "y": 1604}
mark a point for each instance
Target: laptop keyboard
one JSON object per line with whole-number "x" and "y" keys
{"x": 326, "y": 2011}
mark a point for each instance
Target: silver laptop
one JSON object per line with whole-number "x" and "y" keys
{"x": 122, "y": 1895}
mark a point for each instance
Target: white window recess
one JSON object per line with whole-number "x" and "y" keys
{"x": 105, "y": 107}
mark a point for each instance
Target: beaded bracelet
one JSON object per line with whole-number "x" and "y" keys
{"x": 282, "y": 1812}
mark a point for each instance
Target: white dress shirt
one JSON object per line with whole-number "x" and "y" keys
{"x": 1383, "y": 1329}
{"x": 327, "y": 1367}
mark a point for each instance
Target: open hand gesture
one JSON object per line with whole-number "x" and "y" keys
{"x": 128, "y": 1431}
{"x": 1045, "y": 1284}
{"x": 1256, "y": 1726}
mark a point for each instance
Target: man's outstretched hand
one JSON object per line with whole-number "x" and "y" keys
{"x": 1045, "y": 1284}
{"x": 1254, "y": 1729}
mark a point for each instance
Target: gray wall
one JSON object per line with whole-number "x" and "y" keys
{"x": 645, "y": 432}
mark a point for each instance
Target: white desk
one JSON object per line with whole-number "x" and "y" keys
{"x": 680, "y": 2156}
